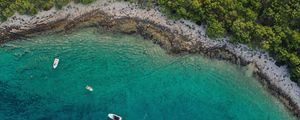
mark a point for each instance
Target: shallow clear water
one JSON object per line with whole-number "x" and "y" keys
{"x": 131, "y": 77}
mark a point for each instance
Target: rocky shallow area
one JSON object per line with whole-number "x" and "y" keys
{"x": 175, "y": 36}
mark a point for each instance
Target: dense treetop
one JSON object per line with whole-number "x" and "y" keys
{"x": 30, "y": 7}
{"x": 273, "y": 25}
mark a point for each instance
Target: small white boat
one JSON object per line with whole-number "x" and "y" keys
{"x": 114, "y": 116}
{"x": 89, "y": 88}
{"x": 55, "y": 63}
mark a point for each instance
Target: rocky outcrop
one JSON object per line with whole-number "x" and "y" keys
{"x": 174, "y": 36}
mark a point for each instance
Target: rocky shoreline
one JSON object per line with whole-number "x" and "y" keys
{"x": 174, "y": 36}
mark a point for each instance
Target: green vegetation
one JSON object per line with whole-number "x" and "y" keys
{"x": 273, "y": 25}
{"x": 31, "y": 7}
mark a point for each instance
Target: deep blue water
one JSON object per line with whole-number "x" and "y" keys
{"x": 131, "y": 77}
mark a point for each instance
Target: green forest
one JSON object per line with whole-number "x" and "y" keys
{"x": 31, "y": 7}
{"x": 272, "y": 25}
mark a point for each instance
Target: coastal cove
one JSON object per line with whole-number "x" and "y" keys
{"x": 131, "y": 76}
{"x": 174, "y": 36}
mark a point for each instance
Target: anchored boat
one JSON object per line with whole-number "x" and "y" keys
{"x": 114, "y": 116}
{"x": 89, "y": 88}
{"x": 55, "y": 63}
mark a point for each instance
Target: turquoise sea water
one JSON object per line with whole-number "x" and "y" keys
{"x": 131, "y": 77}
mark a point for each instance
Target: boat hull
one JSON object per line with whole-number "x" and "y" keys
{"x": 55, "y": 63}
{"x": 114, "y": 116}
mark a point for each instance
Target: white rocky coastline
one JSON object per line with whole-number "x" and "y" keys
{"x": 276, "y": 76}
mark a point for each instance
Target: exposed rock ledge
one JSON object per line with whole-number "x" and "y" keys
{"x": 174, "y": 36}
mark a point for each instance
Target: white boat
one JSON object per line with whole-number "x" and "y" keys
{"x": 114, "y": 116}
{"x": 55, "y": 63}
{"x": 89, "y": 88}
